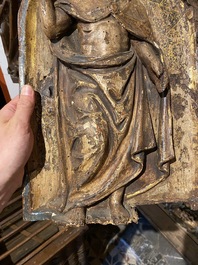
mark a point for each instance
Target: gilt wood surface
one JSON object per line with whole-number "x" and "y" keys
{"x": 173, "y": 25}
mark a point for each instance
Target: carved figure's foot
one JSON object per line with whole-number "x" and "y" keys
{"x": 57, "y": 204}
{"x": 119, "y": 214}
{"x": 74, "y": 217}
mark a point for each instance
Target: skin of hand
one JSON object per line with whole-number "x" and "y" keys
{"x": 16, "y": 142}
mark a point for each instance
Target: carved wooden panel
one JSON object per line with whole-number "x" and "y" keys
{"x": 116, "y": 117}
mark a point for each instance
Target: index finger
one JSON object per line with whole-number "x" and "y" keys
{"x": 8, "y": 111}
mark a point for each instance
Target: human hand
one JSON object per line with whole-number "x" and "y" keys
{"x": 16, "y": 142}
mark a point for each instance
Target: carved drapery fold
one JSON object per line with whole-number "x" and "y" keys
{"x": 105, "y": 138}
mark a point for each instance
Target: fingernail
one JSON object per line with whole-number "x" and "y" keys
{"x": 27, "y": 90}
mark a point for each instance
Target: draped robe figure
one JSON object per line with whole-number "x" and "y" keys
{"x": 113, "y": 107}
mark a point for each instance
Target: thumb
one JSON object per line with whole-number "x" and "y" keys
{"x": 25, "y": 106}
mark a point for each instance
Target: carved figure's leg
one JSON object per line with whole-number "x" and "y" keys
{"x": 74, "y": 217}
{"x": 88, "y": 136}
{"x": 119, "y": 214}
{"x": 57, "y": 205}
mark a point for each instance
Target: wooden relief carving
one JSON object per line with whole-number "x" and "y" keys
{"x": 116, "y": 84}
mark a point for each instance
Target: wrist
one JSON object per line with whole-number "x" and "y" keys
{"x": 9, "y": 183}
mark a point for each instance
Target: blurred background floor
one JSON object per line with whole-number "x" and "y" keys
{"x": 165, "y": 234}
